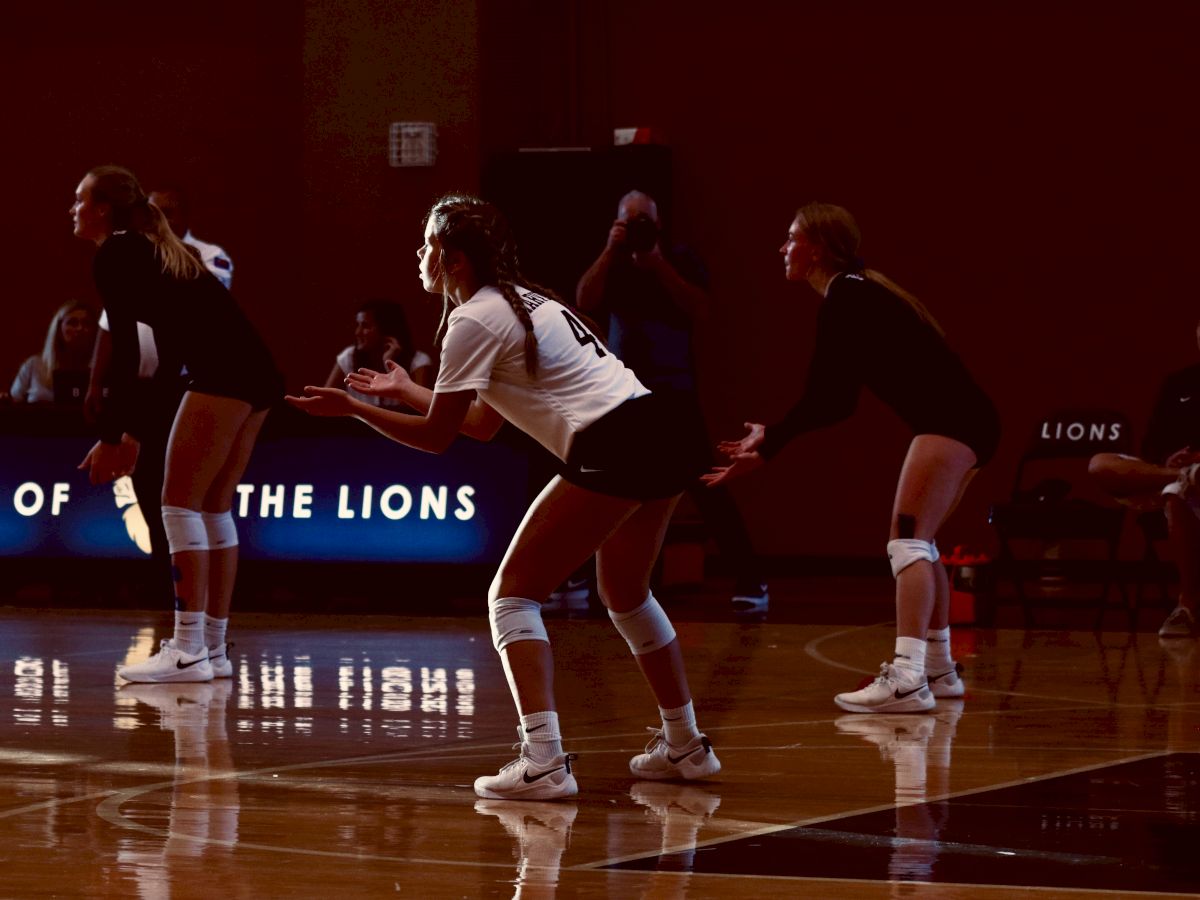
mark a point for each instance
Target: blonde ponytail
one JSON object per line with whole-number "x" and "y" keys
{"x": 133, "y": 211}
{"x": 833, "y": 230}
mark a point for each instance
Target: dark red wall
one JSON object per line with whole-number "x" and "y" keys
{"x": 1028, "y": 173}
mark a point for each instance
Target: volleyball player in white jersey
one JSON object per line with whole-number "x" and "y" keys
{"x": 511, "y": 351}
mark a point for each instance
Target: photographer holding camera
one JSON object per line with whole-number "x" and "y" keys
{"x": 652, "y": 293}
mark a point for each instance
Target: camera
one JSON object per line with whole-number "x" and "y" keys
{"x": 641, "y": 233}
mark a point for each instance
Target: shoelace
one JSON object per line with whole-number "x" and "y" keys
{"x": 885, "y": 672}
{"x": 658, "y": 738}
{"x": 520, "y": 747}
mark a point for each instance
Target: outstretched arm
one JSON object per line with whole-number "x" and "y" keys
{"x": 432, "y": 432}
{"x": 481, "y": 422}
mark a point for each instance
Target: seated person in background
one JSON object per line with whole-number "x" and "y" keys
{"x": 381, "y": 336}
{"x": 1166, "y": 476}
{"x": 65, "y": 359}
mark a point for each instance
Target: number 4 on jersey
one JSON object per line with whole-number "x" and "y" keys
{"x": 582, "y": 335}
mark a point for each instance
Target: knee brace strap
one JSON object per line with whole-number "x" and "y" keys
{"x": 645, "y": 628}
{"x": 185, "y": 529}
{"x": 903, "y": 552}
{"x": 515, "y": 619}
{"x": 222, "y": 532}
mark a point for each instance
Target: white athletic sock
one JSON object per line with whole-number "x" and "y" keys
{"x": 910, "y": 657}
{"x": 937, "y": 651}
{"x": 679, "y": 725}
{"x": 214, "y": 631}
{"x": 543, "y": 740}
{"x": 189, "y": 631}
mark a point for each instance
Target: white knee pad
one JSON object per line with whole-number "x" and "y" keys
{"x": 645, "y": 628}
{"x": 937, "y": 556}
{"x": 222, "y": 532}
{"x": 903, "y": 552}
{"x": 185, "y": 529}
{"x": 515, "y": 619}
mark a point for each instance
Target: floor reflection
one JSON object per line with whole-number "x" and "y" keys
{"x": 203, "y": 806}
{"x": 919, "y": 748}
{"x": 541, "y": 833}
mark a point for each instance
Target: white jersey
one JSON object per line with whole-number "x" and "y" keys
{"x": 577, "y": 380}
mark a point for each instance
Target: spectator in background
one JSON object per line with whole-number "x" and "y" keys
{"x": 174, "y": 205}
{"x": 381, "y": 335}
{"x": 1166, "y": 477}
{"x": 653, "y": 293}
{"x": 59, "y": 374}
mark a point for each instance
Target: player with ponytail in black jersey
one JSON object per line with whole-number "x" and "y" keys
{"x": 872, "y": 333}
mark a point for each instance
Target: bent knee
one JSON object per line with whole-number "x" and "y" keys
{"x": 620, "y": 595}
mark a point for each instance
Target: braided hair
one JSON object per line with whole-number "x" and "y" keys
{"x": 479, "y": 231}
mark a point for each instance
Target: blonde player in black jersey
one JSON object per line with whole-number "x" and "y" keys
{"x": 872, "y": 333}
{"x": 511, "y": 351}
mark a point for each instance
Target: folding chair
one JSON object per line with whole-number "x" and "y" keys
{"x": 1055, "y": 515}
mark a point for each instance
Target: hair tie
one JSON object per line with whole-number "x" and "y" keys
{"x": 857, "y": 264}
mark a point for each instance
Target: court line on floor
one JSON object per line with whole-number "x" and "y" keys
{"x": 811, "y": 649}
{"x": 112, "y": 800}
{"x": 816, "y": 820}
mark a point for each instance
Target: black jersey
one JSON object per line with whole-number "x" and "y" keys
{"x": 868, "y": 337}
{"x": 1175, "y": 422}
{"x": 197, "y": 324}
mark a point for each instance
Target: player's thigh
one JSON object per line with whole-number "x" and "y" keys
{"x": 624, "y": 561}
{"x": 561, "y": 529}
{"x": 205, "y": 427}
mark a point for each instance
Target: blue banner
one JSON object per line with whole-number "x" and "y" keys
{"x": 310, "y": 498}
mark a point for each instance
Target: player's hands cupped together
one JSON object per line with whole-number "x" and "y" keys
{"x": 392, "y": 383}
{"x": 322, "y": 401}
{"x": 743, "y": 456}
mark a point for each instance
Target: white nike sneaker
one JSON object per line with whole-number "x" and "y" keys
{"x": 751, "y": 602}
{"x": 693, "y": 760}
{"x": 947, "y": 684}
{"x": 218, "y": 658}
{"x": 890, "y": 692}
{"x": 572, "y": 596}
{"x": 524, "y": 779}
{"x": 170, "y": 664}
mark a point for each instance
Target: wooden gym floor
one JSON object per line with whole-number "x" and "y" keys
{"x": 339, "y": 759}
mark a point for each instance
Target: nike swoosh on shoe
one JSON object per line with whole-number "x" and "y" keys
{"x": 539, "y": 777}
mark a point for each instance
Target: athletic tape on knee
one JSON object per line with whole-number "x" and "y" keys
{"x": 903, "y": 552}
{"x": 185, "y": 529}
{"x": 515, "y": 619}
{"x": 222, "y": 532}
{"x": 645, "y": 628}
